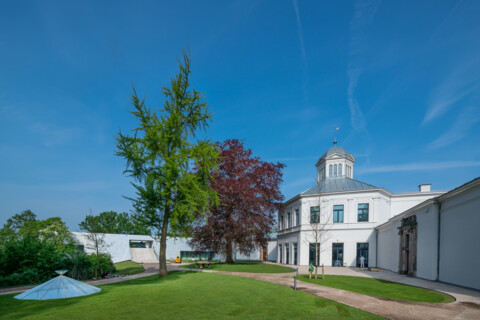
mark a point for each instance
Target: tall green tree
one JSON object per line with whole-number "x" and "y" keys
{"x": 171, "y": 169}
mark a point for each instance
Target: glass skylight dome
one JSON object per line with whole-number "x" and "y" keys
{"x": 59, "y": 288}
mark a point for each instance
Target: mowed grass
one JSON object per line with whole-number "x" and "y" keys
{"x": 185, "y": 295}
{"x": 380, "y": 288}
{"x": 246, "y": 267}
{"x": 128, "y": 268}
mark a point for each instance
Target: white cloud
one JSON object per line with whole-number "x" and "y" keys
{"x": 420, "y": 166}
{"x": 457, "y": 86}
{"x": 460, "y": 128}
{"x": 299, "y": 30}
{"x": 362, "y": 17}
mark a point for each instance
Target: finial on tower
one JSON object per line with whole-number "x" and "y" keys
{"x": 335, "y": 139}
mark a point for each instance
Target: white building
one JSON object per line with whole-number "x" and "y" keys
{"x": 437, "y": 239}
{"x": 348, "y": 209}
{"x": 144, "y": 248}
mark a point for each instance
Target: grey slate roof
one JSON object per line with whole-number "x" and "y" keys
{"x": 337, "y": 185}
{"x": 336, "y": 149}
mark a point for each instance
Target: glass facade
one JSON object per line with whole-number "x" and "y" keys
{"x": 338, "y": 213}
{"x": 192, "y": 255}
{"x": 362, "y": 212}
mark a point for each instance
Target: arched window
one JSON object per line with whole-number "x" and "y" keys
{"x": 330, "y": 173}
{"x": 335, "y": 170}
{"x": 340, "y": 170}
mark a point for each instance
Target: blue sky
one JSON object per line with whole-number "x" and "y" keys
{"x": 401, "y": 79}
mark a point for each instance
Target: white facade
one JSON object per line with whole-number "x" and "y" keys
{"x": 118, "y": 247}
{"x": 349, "y": 211}
{"x": 447, "y": 237}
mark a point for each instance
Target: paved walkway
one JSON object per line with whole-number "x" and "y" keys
{"x": 466, "y": 306}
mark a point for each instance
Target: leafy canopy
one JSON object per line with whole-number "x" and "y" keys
{"x": 25, "y": 225}
{"x": 161, "y": 152}
{"x": 113, "y": 222}
{"x": 249, "y": 193}
{"x": 171, "y": 169}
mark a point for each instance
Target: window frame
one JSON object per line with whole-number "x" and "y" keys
{"x": 363, "y": 213}
{"x": 336, "y": 212}
{"x": 317, "y": 215}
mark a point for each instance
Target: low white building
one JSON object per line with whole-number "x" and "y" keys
{"x": 143, "y": 248}
{"x": 437, "y": 239}
{"x": 347, "y": 211}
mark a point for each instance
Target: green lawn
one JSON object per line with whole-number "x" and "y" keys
{"x": 380, "y": 288}
{"x": 247, "y": 267}
{"x": 128, "y": 268}
{"x": 184, "y": 295}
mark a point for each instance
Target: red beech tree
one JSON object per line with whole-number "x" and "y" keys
{"x": 249, "y": 196}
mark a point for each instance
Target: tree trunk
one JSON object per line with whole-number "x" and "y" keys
{"x": 317, "y": 260}
{"x": 229, "y": 253}
{"x": 162, "y": 259}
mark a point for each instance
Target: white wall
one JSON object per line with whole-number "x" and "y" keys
{"x": 460, "y": 240}
{"x": 427, "y": 231}
{"x": 272, "y": 251}
{"x": 389, "y": 242}
{"x": 117, "y": 245}
{"x": 402, "y": 202}
{"x": 388, "y": 246}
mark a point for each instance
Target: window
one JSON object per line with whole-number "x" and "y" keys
{"x": 288, "y": 220}
{"x": 340, "y": 170}
{"x": 330, "y": 168}
{"x": 338, "y": 213}
{"x": 335, "y": 170}
{"x": 287, "y": 253}
{"x": 281, "y": 253}
{"x": 362, "y": 212}
{"x": 297, "y": 217}
{"x": 314, "y": 214}
{"x": 295, "y": 253}
{"x": 280, "y": 223}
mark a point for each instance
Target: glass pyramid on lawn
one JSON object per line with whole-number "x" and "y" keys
{"x": 58, "y": 288}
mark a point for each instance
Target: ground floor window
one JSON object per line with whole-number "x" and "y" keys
{"x": 312, "y": 257}
{"x": 287, "y": 253}
{"x": 281, "y": 253}
{"x": 337, "y": 254}
{"x": 295, "y": 253}
{"x": 362, "y": 251}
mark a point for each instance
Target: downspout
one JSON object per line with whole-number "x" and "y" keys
{"x": 438, "y": 239}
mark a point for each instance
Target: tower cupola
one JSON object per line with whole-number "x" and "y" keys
{"x": 336, "y": 162}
